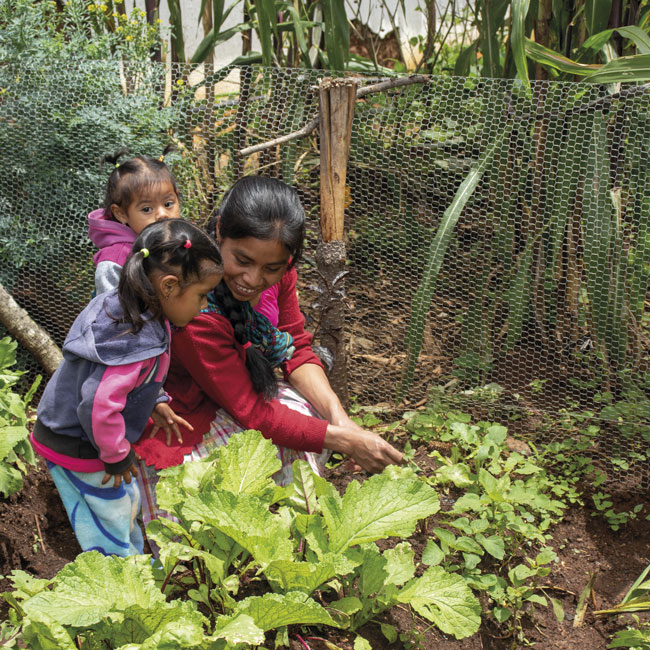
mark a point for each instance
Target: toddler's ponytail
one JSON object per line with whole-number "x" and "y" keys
{"x": 260, "y": 370}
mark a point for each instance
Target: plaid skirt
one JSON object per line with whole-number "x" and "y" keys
{"x": 221, "y": 428}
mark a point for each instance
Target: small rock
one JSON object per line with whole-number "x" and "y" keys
{"x": 519, "y": 446}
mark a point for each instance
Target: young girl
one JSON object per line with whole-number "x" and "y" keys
{"x": 115, "y": 358}
{"x": 139, "y": 191}
{"x": 221, "y": 376}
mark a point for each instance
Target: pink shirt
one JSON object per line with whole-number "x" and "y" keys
{"x": 268, "y": 304}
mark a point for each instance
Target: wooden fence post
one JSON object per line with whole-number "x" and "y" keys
{"x": 337, "y": 98}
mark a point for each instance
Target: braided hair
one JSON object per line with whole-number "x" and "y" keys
{"x": 260, "y": 370}
{"x": 162, "y": 247}
{"x": 129, "y": 177}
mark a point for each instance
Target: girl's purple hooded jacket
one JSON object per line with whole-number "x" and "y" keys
{"x": 101, "y": 396}
{"x": 114, "y": 240}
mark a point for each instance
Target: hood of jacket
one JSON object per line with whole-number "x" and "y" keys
{"x": 107, "y": 233}
{"x": 98, "y": 337}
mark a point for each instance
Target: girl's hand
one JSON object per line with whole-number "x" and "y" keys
{"x": 370, "y": 451}
{"x": 164, "y": 418}
{"x": 117, "y": 478}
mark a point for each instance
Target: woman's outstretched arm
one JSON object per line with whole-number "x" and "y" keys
{"x": 367, "y": 449}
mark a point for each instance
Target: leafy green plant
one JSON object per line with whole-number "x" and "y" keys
{"x": 73, "y": 90}
{"x": 311, "y": 551}
{"x": 615, "y": 519}
{"x": 16, "y": 452}
{"x": 503, "y": 505}
{"x": 320, "y": 540}
{"x": 637, "y": 598}
{"x": 635, "y": 638}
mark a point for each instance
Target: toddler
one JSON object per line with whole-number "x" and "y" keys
{"x": 115, "y": 359}
{"x": 139, "y": 191}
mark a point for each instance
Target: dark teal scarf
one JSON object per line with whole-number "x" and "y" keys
{"x": 275, "y": 345}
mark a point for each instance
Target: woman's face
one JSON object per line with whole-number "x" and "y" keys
{"x": 251, "y": 265}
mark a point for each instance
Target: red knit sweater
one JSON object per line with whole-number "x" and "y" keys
{"x": 207, "y": 371}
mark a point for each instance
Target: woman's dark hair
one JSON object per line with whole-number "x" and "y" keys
{"x": 163, "y": 246}
{"x": 264, "y": 208}
{"x": 129, "y": 177}
{"x": 261, "y": 373}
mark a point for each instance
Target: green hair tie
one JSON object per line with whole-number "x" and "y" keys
{"x": 145, "y": 252}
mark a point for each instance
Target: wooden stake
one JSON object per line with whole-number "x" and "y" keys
{"x": 337, "y": 97}
{"x": 336, "y": 112}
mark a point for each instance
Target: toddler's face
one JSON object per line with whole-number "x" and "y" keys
{"x": 181, "y": 305}
{"x": 153, "y": 203}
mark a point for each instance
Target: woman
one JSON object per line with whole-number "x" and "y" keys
{"x": 221, "y": 376}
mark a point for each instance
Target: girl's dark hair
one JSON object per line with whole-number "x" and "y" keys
{"x": 162, "y": 246}
{"x": 261, "y": 373}
{"x": 130, "y": 176}
{"x": 264, "y": 208}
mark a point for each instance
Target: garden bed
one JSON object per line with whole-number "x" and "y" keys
{"x": 35, "y": 536}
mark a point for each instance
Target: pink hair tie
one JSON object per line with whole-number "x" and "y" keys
{"x": 247, "y": 345}
{"x": 187, "y": 244}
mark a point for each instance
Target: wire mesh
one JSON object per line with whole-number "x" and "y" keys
{"x": 497, "y": 236}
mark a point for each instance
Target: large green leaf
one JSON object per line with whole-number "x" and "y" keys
{"x": 215, "y": 561}
{"x": 7, "y": 352}
{"x": 518, "y": 37}
{"x": 548, "y": 57}
{"x": 444, "y": 599}
{"x": 176, "y": 22}
{"x": 266, "y": 25}
{"x": 11, "y": 480}
{"x": 625, "y": 69}
{"x": 621, "y": 70}
{"x": 387, "y": 504}
{"x": 44, "y": 633}
{"x": 595, "y": 43}
{"x": 276, "y": 610}
{"x": 246, "y": 464}
{"x": 245, "y": 519}
{"x": 337, "y": 33}
{"x": 286, "y": 575}
{"x": 178, "y": 634}
{"x": 597, "y": 15}
{"x": 237, "y": 629}
{"x": 9, "y": 438}
{"x": 435, "y": 256}
{"x": 94, "y": 584}
{"x": 212, "y": 39}
{"x": 177, "y": 483}
{"x": 302, "y": 492}
{"x": 399, "y": 563}
{"x": 135, "y": 624}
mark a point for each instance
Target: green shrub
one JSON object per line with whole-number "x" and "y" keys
{"x": 16, "y": 452}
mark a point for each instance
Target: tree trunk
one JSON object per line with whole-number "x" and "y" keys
{"x": 30, "y": 335}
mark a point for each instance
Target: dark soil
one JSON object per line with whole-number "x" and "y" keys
{"x": 35, "y": 536}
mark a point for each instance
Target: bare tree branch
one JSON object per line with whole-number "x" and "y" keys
{"x": 313, "y": 123}
{"x": 30, "y": 335}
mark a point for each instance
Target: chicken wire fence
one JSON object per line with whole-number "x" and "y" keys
{"x": 497, "y": 236}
